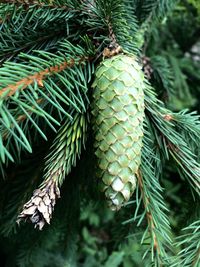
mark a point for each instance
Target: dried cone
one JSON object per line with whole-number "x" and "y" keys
{"x": 118, "y": 112}
{"x": 39, "y": 208}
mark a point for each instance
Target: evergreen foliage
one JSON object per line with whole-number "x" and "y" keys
{"x": 49, "y": 51}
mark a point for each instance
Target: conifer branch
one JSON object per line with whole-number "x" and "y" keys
{"x": 190, "y": 167}
{"x": 181, "y": 152}
{"x": 158, "y": 226}
{"x": 8, "y": 53}
{"x": 169, "y": 138}
{"x": 21, "y": 118}
{"x": 154, "y": 10}
{"x": 37, "y": 77}
{"x": 60, "y": 80}
{"x": 117, "y": 20}
{"x": 63, "y": 155}
{"x": 189, "y": 242}
{"x": 150, "y": 219}
{"x": 155, "y": 210}
{"x": 35, "y": 17}
{"x": 66, "y": 148}
{"x": 39, "y": 4}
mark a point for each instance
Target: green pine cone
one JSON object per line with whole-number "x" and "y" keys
{"x": 118, "y": 112}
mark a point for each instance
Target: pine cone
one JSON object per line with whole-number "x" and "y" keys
{"x": 118, "y": 112}
{"x": 39, "y": 208}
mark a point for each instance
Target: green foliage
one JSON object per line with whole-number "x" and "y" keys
{"x": 190, "y": 240}
{"x": 153, "y": 10}
{"x": 61, "y": 88}
{"x": 66, "y": 148}
{"x": 49, "y": 50}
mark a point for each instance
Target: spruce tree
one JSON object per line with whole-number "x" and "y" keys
{"x": 99, "y": 133}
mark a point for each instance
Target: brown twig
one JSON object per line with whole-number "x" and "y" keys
{"x": 149, "y": 216}
{"x": 38, "y": 77}
{"x": 27, "y": 3}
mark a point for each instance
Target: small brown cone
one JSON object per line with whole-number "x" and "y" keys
{"x": 38, "y": 210}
